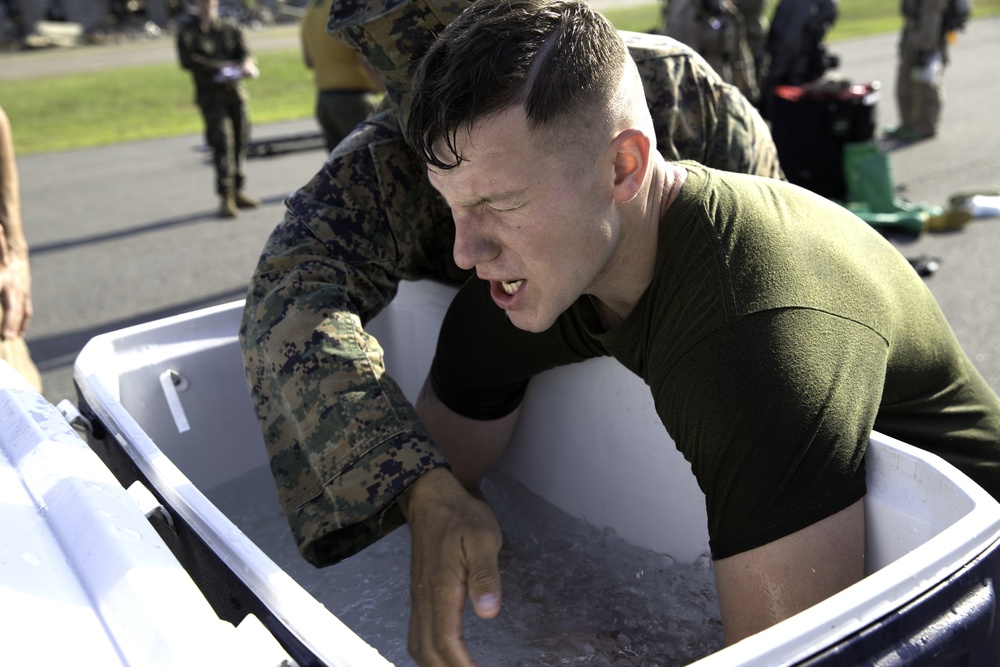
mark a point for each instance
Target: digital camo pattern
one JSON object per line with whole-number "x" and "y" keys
{"x": 342, "y": 440}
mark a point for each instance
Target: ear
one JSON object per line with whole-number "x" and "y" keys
{"x": 631, "y": 157}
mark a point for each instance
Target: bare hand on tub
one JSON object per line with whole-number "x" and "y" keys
{"x": 455, "y": 542}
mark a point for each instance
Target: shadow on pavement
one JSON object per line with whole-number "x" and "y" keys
{"x": 58, "y": 351}
{"x": 180, "y": 221}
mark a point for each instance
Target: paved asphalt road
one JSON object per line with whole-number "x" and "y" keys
{"x": 127, "y": 234}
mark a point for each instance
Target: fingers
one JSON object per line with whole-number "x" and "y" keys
{"x": 484, "y": 575}
{"x": 13, "y": 319}
{"x": 436, "y": 637}
{"x": 455, "y": 544}
{"x": 29, "y": 312}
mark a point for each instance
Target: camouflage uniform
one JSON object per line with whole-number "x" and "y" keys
{"x": 203, "y": 48}
{"x": 342, "y": 439}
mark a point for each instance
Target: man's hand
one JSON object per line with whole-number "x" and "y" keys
{"x": 455, "y": 539}
{"x": 249, "y": 68}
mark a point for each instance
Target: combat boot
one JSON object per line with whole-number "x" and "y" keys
{"x": 243, "y": 200}
{"x": 228, "y": 208}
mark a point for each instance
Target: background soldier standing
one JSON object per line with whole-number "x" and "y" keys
{"x": 214, "y": 50}
{"x": 923, "y": 53}
{"x": 346, "y": 86}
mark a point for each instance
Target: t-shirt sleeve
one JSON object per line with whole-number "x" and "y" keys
{"x": 774, "y": 412}
{"x": 483, "y": 362}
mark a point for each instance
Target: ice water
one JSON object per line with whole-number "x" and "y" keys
{"x": 572, "y": 594}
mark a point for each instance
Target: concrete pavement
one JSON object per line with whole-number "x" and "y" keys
{"x": 127, "y": 234}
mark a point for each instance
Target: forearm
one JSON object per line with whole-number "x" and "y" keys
{"x": 199, "y": 64}
{"x": 342, "y": 439}
{"x": 472, "y": 446}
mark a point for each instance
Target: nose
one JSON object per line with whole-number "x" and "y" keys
{"x": 473, "y": 243}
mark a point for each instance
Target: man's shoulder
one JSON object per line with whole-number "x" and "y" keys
{"x": 378, "y": 130}
{"x": 374, "y": 146}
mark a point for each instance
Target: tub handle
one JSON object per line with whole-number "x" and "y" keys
{"x": 173, "y": 382}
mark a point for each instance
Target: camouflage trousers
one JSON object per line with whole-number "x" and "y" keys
{"x": 227, "y": 130}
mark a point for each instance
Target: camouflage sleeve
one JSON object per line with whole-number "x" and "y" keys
{"x": 696, "y": 115}
{"x": 184, "y": 44}
{"x": 342, "y": 440}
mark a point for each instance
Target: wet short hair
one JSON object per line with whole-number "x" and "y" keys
{"x": 559, "y": 59}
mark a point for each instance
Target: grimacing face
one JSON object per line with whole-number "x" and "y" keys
{"x": 541, "y": 230}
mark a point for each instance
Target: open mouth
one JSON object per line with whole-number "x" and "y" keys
{"x": 511, "y": 287}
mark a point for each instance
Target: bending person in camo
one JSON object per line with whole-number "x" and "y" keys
{"x": 344, "y": 443}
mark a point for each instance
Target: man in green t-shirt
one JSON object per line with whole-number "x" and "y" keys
{"x": 774, "y": 329}
{"x": 342, "y": 439}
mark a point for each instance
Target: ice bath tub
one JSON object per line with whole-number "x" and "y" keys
{"x": 168, "y": 405}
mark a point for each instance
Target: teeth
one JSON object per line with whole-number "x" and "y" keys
{"x": 510, "y": 288}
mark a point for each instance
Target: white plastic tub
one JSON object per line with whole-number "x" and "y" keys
{"x": 171, "y": 395}
{"x": 84, "y": 577}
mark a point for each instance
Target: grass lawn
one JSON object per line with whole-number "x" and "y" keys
{"x": 151, "y": 101}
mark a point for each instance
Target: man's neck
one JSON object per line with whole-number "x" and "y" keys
{"x": 640, "y": 244}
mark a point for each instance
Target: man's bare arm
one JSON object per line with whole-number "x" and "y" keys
{"x": 472, "y": 447}
{"x": 766, "y": 585}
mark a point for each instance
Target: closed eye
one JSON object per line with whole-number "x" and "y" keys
{"x": 497, "y": 209}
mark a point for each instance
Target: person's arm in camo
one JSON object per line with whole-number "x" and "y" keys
{"x": 342, "y": 439}
{"x": 348, "y": 454}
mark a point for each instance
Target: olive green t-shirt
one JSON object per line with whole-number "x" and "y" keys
{"x": 777, "y": 332}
